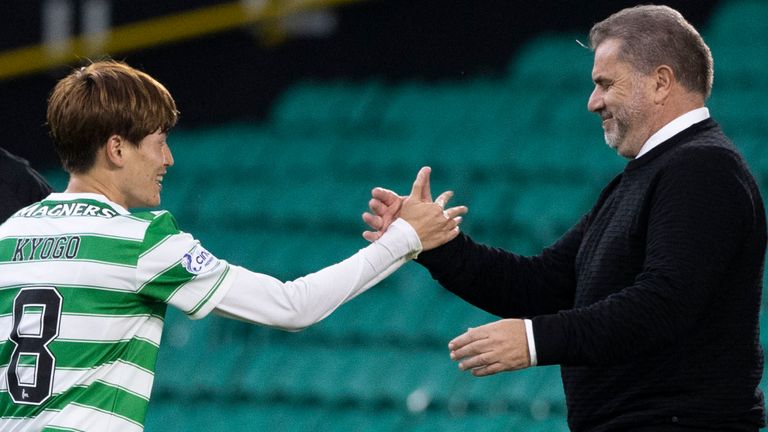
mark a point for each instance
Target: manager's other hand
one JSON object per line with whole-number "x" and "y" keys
{"x": 492, "y": 348}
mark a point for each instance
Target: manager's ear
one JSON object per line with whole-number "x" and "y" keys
{"x": 115, "y": 150}
{"x": 665, "y": 79}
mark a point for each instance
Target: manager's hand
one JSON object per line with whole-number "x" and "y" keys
{"x": 386, "y": 205}
{"x": 492, "y": 348}
{"x": 434, "y": 225}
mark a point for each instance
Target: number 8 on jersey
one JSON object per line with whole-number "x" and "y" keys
{"x": 36, "y": 318}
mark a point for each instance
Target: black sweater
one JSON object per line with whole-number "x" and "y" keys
{"x": 650, "y": 303}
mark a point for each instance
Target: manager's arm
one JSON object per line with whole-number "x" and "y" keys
{"x": 507, "y": 284}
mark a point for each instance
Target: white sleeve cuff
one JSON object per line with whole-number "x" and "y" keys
{"x": 531, "y": 341}
{"x": 412, "y": 241}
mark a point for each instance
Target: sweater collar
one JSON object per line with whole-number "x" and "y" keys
{"x": 671, "y": 142}
{"x": 673, "y": 128}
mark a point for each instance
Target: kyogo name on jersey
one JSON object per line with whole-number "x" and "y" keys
{"x": 42, "y": 248}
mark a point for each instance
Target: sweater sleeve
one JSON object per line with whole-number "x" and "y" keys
{"x": 698, "y": 214}
{"x": 506, "y": 284}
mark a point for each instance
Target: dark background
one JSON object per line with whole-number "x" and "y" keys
{"x": 237, "y": 75}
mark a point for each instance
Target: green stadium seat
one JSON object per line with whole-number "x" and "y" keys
{"x": 739, "y": 109}
{"x": 548, "y": 210}
{"x": 264, "y": 375}
{"x": 452, "y": 316}
{"x": 213, "y": 345}
{"x": 411, "y": 105}
{"x": 57, "y": 178}
{"x": 501, "y": 421}
{"x": 549, "y": 424}
{"x": 307, "y": 104}
{"x": 736, "y": 35}
{"x": 166, "y": 414}
{"x": 274, "y": 418}
{"x": 533, "y": 65}
{"x": 486, "y": 200}
{"x": 739, "y": 21}
{"x": 420, "y": 377}
{"x": 256, "y": 417}
{"x": 366, "y": 419}
{"x": 337, "y": 106}
{"x": 180, "y": 354}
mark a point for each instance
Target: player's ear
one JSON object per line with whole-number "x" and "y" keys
{"x": 114, "y": 150}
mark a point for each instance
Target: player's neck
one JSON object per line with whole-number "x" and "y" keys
{"x": 90, "y": 183}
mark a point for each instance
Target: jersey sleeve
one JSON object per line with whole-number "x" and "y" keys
{"x": 174, "y": 268}
{"x": 297, "y": 304}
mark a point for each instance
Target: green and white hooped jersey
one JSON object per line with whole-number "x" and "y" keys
{"x": 84, "y": 286}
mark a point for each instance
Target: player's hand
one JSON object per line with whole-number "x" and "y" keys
{"x": 386, "y": 205}
{"x": 492, "y": 348}
{"x": 385, "y": 208}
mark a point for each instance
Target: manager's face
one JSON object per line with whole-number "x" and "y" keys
{"x": 622, "y": 98}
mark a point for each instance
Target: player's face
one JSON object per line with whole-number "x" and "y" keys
{"x": 146, "y": 166}
{"x": 622, "y": 98}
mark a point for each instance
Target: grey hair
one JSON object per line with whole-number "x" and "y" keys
{"x": 652, "y": 36}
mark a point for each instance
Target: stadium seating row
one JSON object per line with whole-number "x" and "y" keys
{"x": 282, "y": 417}
{"x": 339, "y": 376}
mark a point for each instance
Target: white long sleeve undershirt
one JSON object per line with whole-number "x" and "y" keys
{"x": 295, "y": 305}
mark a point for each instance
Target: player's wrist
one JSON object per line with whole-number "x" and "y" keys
{"x": 402, "y": 236}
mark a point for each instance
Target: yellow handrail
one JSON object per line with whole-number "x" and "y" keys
{"x": 151, "y": 32}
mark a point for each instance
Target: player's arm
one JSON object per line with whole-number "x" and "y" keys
{"x": 300, "y": 303}
{"x": 294, "y": 305}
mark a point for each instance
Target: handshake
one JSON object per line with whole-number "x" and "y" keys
{"x": 434, "y": 224}
{"x": 485, "y": 350}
